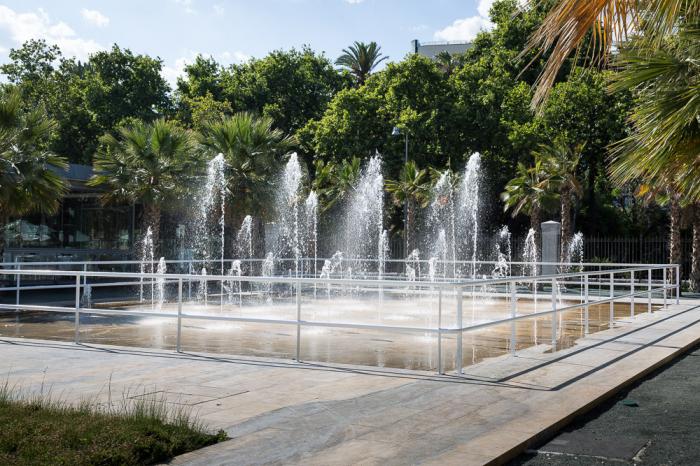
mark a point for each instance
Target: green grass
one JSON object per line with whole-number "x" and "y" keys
{"x": 38, "y": 429}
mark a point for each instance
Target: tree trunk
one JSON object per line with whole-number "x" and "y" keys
{"x": 151, "y": 218}
{"x": 695, "y": 266}
{"x": 3, "y": 225}
{"x": 675, "y": 234}
{"x": 566, "y": 228}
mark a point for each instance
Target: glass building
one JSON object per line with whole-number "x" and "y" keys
{"x": 82, "y": 229}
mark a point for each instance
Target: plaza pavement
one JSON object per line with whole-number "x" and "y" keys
{"x": 282, "y": 412}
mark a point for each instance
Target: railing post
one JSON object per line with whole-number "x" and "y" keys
{"x": 76, "y": 337}
{"x": 554, "y": 314}
{"x": 513, "y": 304}
{"x": 649, "y": 292}
{"x": 439, "y": 354}
{"x": 189, "y": 282}
{"x": 678, "y": 284}
{"x": 585, "y": 307}
{"x": 458, "y": 352}
{"x": 298, "y": 349}
{"x": 665, "y": 304}
{"x": 632, "y": 294}
{"x": 612, "y": 300}
{"x": 17, "y": 284}
{"x": 179, "y": 315}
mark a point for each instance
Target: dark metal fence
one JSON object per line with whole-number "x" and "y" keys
{"x": 637, "y": 250}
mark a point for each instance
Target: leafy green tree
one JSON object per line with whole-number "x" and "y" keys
{"x": 410, "y": 192}
{"x": 291, "y": 87}
{"x": 361, "y": 59}
{"x": 29, "y": 172}
{"x": 150, "y": 163}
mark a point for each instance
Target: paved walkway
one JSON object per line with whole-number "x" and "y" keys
{"x": 278, "y": 412}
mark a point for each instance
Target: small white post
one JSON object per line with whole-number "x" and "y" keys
{"x": 17, "y": 284}
{"x": 179, "y": 315}
{"x": 649, "y": 292}
{"x": 298, "y": 349}
{"x": 439, "y": 355}
{"x": 513, "y": 304}
{"x": 612, "y": 300}
{"x": 585, "y": 307}
{"x": 458, "y": 352}
{"x": 189, "y": 283}
{"x": 632, "y": 294}
{"x": 554, "y": 314}
{"x": 76, "y": 337}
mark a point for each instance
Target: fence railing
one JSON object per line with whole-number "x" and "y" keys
{"x": 558, "y": 293}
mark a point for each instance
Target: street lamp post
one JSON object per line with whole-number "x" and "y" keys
{"x": 397, "y": 132}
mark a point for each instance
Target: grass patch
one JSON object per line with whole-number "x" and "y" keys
{"x": 39, "y": 429}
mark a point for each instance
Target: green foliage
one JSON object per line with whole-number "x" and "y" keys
{"x": 334, "y": 181}
{"x": 361, "y": 59}
{"x": 146, "y": 162}
{"x": 39, "y": 430}
{"x": 253, "y": 151}
{"x": 87, "y": 99}
{"x": 291, "y": 87}
{"x": 29, "y": 171}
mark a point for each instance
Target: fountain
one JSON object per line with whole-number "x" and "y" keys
{"x": 363, "y": 228}
{"x": 311, "y": 210}
{"x": 442, "y": 219}
{"x": 160, "y": 283}
{"x": 530, "y": 254}
{"x": 244, "y": 239}
{"x": 147, "y": 260}
{"x": 467, "y": 215}
{"x": 202, "y": 292}
{"x": 288, "y": 205}
{"x": 212, "y": 201}
{"x": 235, "y": 279}
{"x": 503, "y": 254}
{"x": 574, "y": 253}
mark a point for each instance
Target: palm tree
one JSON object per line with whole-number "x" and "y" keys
{"x": 148, "y": 163}
{"x": 253, "y": 152}
{"x": 361, "y": 59}
{"x": 27, "y": 181}
{"x": 609, "y": 22}
{"x": 333, "y": 182}
{"x": 410, "y": 191}
{"x": 449, "y": 62}
{"x": 560, "y": 163}
{"x": 664, "y": 193}
{"x": 531, "y": 193}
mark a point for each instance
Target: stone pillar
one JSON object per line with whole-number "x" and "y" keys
{"x": 551, "y": 235}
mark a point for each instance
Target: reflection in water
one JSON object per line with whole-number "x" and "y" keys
{"x": 405, "y": 349}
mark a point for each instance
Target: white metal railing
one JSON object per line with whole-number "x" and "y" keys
{"x": 624, "y": 283}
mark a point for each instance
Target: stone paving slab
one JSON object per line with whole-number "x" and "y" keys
{"x": 280, "y": 412}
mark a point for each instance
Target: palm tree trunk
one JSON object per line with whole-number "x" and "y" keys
{"x": 695, "y": 265}
{"x": 675, "y": 233}
{"x": 566, "y": 228}
{"x": 3, "y": 224}
{"x": 151, "y": 218}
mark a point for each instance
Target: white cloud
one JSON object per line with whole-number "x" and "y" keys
{"x": 94, "y": 17}
{"x": 468, "y": 28}
{"x": 354, "y": 2}
{"x": 233, "y": 57}
{"x": 219, "y": 9}
{"x": 38, "y": 25}
{"x": 187, "y": 6}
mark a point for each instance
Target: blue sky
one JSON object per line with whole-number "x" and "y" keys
{"x": 234, "y": 30}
